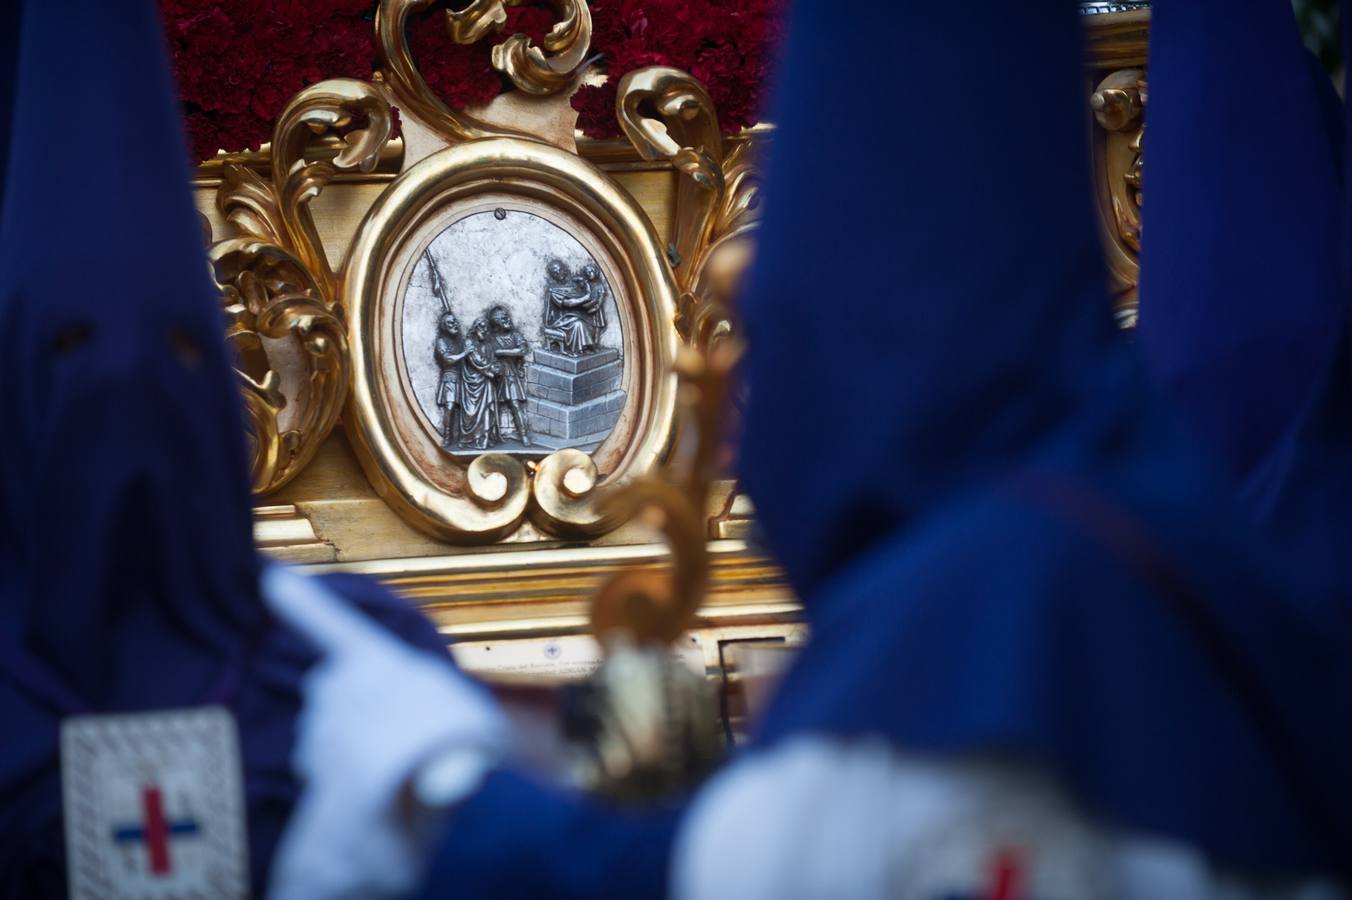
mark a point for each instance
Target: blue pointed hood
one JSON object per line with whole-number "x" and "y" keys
{"x": 929, "y": 309}
{"x": 128, "y": 576}
{"x": 124, "y": 504}
{"x": 1245, "y": 300}
{"x": 1003, "y": 542}
{"x": 1241, "y": 291}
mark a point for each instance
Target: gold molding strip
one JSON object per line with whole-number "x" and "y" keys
{"x": 1116, "y": 40}
{"x": 736, "y": 521}
{"x": 285, "y": 533}
{"x": 320, "y": 149}
{"x": 614, "y": 155}
{"x": 540, "y": 592}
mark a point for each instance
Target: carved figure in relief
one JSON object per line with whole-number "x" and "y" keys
{"x": 477, "y": 416}
{"x": 450, "y": 351}
{"x": 574, "y": 316}
{"x": 535, "y": 400}
{"x": 509, "y": 347}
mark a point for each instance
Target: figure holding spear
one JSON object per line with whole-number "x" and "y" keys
{"x": 449, "y": 350}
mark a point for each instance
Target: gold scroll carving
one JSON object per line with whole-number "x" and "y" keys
{"x": 667, "y": 113}
{"x": 279, "y": 290}
{"x": 293, "y": 311}
{"x": 1116, "y": 44}
{"x": 534, "y": 70}
{"x": 1119, "y": 110}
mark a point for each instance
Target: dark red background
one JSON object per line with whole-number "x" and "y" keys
{"x": 239, "y": 61}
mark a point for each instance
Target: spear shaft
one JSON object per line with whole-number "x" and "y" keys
{"x": 438, "y": 287}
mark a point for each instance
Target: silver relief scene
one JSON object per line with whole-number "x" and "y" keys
{"x": 511, "y": 338}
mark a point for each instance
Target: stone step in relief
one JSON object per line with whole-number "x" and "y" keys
{"x": 548, "y": 380}
{"x": 577, "y": 399}
{"x": 582, "y": 426}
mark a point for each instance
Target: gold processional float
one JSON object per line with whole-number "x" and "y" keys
{"x": 488, "y": 363}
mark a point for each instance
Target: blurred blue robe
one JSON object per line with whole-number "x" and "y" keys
{"x": 1004, "y": 542}
{"x": 1246, "y": 318}
{"x": 128, "y": 575}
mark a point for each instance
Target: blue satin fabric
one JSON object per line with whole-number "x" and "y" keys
{"x": 1245, "y": 304}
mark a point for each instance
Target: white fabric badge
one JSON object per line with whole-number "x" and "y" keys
{"x": 154, "y": 805}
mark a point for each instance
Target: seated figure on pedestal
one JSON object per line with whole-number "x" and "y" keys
{"x": 574, "y": 309}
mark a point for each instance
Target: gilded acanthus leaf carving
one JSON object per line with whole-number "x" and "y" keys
{"x": 547, "y": 69}
{"x": 250, "y": 205}
{"x": 327, "y": 106}
{"x": 667, "y": 113}
{"x": 278, "y": 288}
{"x": 476, "y": 20}
{"x": 534, "y": 69}
{"x": 1119, "y": 108}
{"x": 291, "y": 354}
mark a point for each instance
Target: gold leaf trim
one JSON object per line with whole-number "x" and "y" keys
{"x": 667, "y": 113}
{"x": 271, "y": 296}
{"x": 563, "y": 495}
{"x": 528, "y": 66}
{"x": 1119, "y": 108}
{"x": 276, "y": 282}
{"x": 476, "y": 21}
{"x": 656, "y": 605}
{"x": 401, "y": 73}
{"x": 553, "y": 67}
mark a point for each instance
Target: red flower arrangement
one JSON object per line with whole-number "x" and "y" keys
{"x": 239, "y": 61}
{"x": 727, "y": 44}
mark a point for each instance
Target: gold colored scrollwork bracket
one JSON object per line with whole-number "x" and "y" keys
{"x": 279, "y": 290}
{"x": 533, "y": 69}
{"x": 666, "y": 113}
{"x": 655, "y": 732}
{"x": 1119, "y": 104}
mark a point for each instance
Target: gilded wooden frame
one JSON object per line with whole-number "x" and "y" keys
{"x": 494, "y": 494}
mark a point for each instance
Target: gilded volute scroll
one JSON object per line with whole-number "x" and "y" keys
{"x": 667, "y": 113}
{"x": 1119, "y": 110}
{"x": 279, "y": 290}
{"x": 532, "y": 69}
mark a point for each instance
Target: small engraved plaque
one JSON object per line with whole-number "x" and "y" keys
{"x": 564, "y": 657}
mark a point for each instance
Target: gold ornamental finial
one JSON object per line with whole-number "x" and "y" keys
{"x": 532, "y": 69}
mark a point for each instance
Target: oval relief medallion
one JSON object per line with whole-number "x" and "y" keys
{"x": 522, "y": 350}
{"x": 512, "y": 318}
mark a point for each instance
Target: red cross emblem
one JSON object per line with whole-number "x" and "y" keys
{"x": 1004, "y": 880}
{"x": 156, "y": 830}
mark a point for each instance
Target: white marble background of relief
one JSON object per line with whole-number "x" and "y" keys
{"x": 485, "y": 261}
